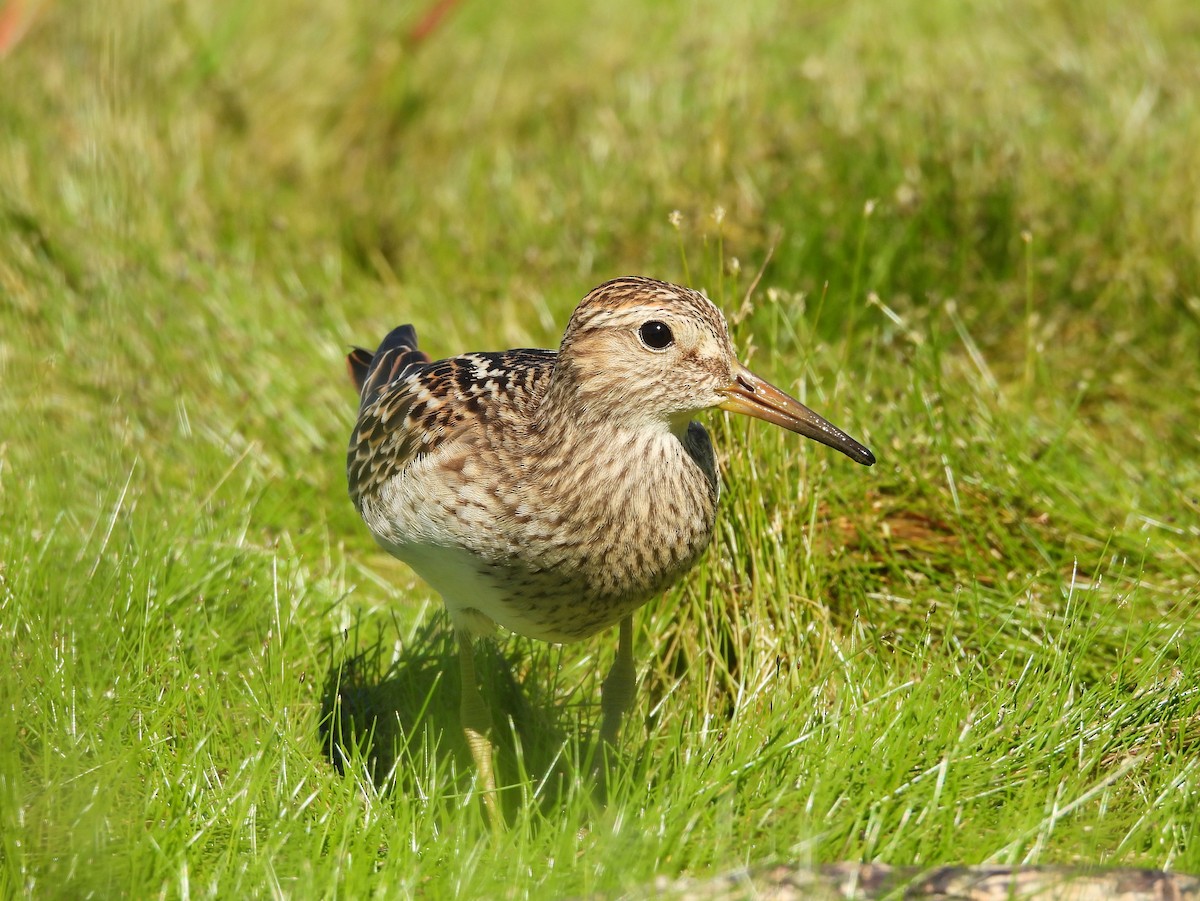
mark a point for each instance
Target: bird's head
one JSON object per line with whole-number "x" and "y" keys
{"x": 648, "y": 351}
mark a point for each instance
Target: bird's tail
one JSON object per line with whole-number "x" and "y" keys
{"x": 371, "y": 372}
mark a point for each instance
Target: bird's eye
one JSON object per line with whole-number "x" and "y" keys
{"x": 656, "y": 335}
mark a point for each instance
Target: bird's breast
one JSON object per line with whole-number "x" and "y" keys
{"x": 611, "y": 531}
{"x": 557, "y": 541}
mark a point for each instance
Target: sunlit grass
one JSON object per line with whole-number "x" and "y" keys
{"x": 966, "y": 234}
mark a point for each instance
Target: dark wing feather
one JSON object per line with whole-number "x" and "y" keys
{"x": 372, "y": 372}
{"x": 358, "y": 362}
{"x": 410, "y": 406}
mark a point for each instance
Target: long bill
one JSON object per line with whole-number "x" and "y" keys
{"x": 757, "y": 397}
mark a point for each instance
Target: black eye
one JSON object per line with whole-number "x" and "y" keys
{"x": 656, "y": 335}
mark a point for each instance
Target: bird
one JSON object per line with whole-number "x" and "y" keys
{"x": 553, "y": 493}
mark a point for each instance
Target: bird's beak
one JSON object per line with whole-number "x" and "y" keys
{"x": 759, "y": 398}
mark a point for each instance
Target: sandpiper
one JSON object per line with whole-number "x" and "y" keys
{"x": 554, "y": 493}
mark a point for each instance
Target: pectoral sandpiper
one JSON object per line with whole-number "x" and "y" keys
{"x": 555, "y": 493}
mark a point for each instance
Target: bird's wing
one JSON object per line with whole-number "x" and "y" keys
{"x": 410, "y": 406}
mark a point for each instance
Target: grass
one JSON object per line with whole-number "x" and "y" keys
{"x": 976, "y": 230}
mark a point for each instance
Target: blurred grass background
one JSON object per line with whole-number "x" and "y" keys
{"x": 977, "y": 227}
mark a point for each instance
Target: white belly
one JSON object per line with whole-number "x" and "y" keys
{"x": 473, "y": 601}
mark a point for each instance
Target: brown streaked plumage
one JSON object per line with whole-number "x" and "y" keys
{"x": 555, "y": 493}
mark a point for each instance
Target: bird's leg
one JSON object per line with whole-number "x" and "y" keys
{"x": 477, "y": 724}
{"x": 616, "y": 694}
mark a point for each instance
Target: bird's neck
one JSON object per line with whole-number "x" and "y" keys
{"x": 598, "y": 408}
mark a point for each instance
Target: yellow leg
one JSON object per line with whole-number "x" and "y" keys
{"x": 616, "y": 694}
{"x": 477, "y": 724}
